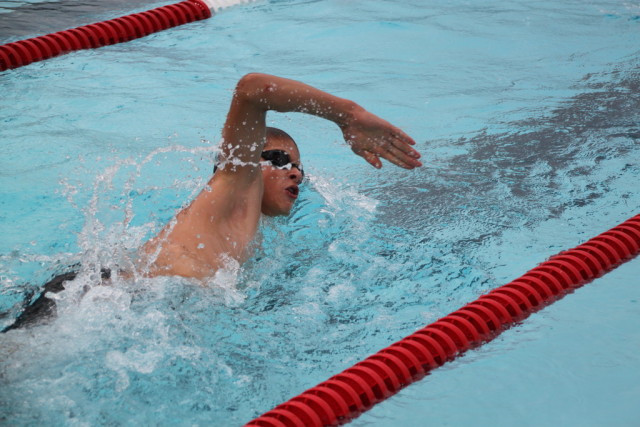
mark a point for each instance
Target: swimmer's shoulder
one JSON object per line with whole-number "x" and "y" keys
{"x": 175, "y": 260}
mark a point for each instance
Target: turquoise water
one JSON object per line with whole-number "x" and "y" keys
{"x": 527, "y": 114}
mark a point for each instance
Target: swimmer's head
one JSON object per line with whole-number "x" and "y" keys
{"x": 281, "y": 172}
{"x": 281, "y": 178}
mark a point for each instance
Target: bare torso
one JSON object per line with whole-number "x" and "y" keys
{"x": 205, "y": 235}
{"x": 222, "y": 220}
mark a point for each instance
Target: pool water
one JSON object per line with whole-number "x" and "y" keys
{"x": 528, "y": 118}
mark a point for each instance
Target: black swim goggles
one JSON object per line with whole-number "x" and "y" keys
{"x": 281, "y": 160}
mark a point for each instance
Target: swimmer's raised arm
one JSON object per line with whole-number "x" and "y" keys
{"x": 368, "y": 135}
{"x": 221, "y": 222}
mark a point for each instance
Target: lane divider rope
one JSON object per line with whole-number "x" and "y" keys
{"x": 117, "y": 30}
{"x": 358, "y": 388}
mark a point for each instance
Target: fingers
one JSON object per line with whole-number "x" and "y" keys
{"x": 400, "y": 154}
{"x": 390, "y": 153}
{"x": 383, "y": 140}
{"x": 372, "y": 159}
{"x": 393, "y": 155}
{"x": 401, "y": 136}
{"x": 401, "y": 161}
{"x": 403, "y": 142}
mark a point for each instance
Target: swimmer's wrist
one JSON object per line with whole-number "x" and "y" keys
{"x": 347, "y": 113}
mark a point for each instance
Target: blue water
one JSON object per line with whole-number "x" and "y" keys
{"x": 528, "y": 117}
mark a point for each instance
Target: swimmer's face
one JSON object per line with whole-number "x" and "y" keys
{"x": 281, "y": 185}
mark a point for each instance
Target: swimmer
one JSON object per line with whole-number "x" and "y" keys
{"x": 258, "y": 172}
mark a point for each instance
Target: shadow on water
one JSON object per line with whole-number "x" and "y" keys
{"x": 533, "y": 170}
{"x": 450, "y": 218}
{"x": 345, "y": 276}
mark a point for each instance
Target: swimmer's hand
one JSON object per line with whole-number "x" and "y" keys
{"x": 371, "y": 137}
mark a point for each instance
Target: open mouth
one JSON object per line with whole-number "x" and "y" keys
{"x": 293, "y": 191}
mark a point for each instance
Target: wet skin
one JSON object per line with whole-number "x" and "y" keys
{"x": 281, "y": 186}
{"x": 221, "y": 222}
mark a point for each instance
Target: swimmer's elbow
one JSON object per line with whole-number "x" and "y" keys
{"x": 253, "y": 86}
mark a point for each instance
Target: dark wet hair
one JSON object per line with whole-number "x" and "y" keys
{"x": 271, "y": 133}
{"x": 278, "y": 133}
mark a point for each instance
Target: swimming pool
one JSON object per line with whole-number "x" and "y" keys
{"x": 527, "y": 115}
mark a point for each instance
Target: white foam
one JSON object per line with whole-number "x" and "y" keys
{"x": 224, "y": 282}
{"x": 340, "y": 197}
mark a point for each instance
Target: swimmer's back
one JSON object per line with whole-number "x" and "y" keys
{"x": 42, "y": 309}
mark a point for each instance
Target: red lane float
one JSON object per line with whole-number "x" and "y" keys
{"x": 117, "y": 30}
{"x": 358, "y": 388}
